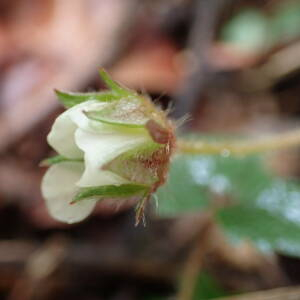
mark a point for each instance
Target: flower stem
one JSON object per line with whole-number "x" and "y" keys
{"x": 250, "y": 146}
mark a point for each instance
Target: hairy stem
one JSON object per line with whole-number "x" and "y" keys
{"x": 269, "y": 143}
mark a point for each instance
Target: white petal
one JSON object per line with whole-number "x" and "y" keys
{"x": 102, "y": 147}
{"x": 77, "y": 115}
{"x": 61, "y": 137}
{"x": 93, "y": 176}
{"x": 59, "y": 188}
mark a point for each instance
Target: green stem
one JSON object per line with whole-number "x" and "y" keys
{"x": 270, "y": 143}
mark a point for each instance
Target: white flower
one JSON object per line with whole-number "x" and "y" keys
{"x": 106, "y": 146}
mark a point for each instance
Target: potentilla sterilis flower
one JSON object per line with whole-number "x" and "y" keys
{"x": 114, "y": 144}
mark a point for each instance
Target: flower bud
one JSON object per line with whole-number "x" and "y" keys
{"x": 114, "y": 144}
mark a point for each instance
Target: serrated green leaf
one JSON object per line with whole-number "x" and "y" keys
{"x": 111, "y": 191}
{"x": 260, "y": 206}
{"x": 56, "y": 160}
{"x": 193, "y": 179}
{"x": 69, "y": 99}
{"x": 268, "y": 230}
{"x": 114, "y": 86}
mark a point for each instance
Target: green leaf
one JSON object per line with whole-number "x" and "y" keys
{"x": 181, "y": 193}
{"x": 111, "y": 191}
{"x": 56, "y": 160}
{"x": 193, "y": 179}
{"x": 267, "y": 230}
{"x": 114, "y": 86}
{"x": 69, "y": 99}
{"x": 260, "y": 206}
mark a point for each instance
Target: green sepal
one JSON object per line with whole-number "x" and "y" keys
{"x": 114, "y": 86}
{"x": 128, "y": 164}
{"x": 111, "y": 191}
{"x": 100, "y": 117}
{"x": 69, "y": 99}
{"x": 58, "y": 159}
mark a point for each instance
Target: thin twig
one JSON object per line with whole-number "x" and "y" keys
{"x": 195, "y": 260}
{"x": 200, "y": 38}
{"x": 211, "y": 242}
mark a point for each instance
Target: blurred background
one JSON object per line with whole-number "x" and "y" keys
{"x": 230, "y": 67}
